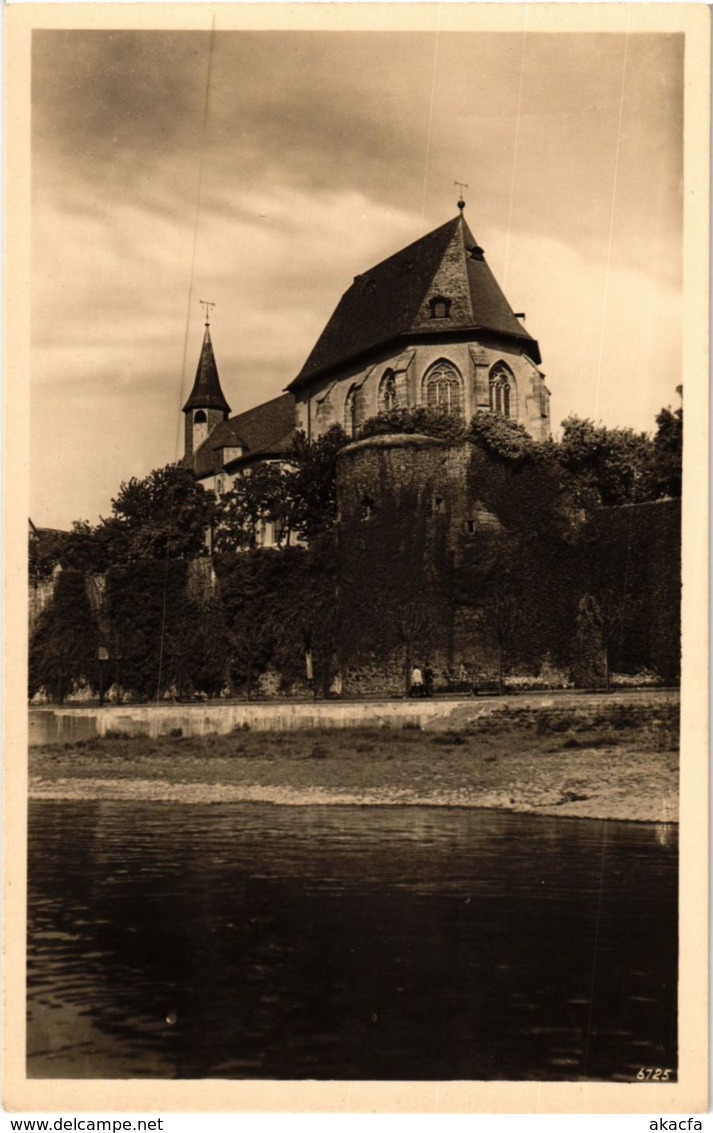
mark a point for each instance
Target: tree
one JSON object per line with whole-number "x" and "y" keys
{"x": 668, "y": 451}
{"x": 144, "y": 600}
{"x": 63, "y": 649}
{"x": 501, "y": 438}
{"x": 313, "y": 482}
{"x": 605, "y": 466}
{"x": 598, "y": 618}
{"x": 414, "y": 625}
{"x": 207, "y": 660}
{"x": 262, "y": 494}
{"x": 45, "y": 552}
{"x": 165, "y": 515}
{"x": 501, "y": 616}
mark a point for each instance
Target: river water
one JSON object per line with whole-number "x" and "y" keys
{"x": 247, "y": 941}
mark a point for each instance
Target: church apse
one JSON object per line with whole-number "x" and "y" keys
{"x": 429, "y": 326}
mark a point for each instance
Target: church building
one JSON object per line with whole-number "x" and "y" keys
{"x": 427, "y": 326}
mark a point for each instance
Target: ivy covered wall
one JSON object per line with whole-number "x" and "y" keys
{"x": 456, "y": 553}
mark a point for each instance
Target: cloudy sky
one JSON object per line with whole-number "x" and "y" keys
{"x": 263, "y": 170}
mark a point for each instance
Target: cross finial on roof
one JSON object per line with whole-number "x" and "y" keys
{"x": 207, "y": 305}
{"x": 461, "y": 185}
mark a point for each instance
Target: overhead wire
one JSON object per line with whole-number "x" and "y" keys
{"x": 196, "y": 221}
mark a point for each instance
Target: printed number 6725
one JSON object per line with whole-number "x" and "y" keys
{"x": 651, "y": 1074}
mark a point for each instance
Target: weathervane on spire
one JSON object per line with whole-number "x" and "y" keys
{"x": 207, "y": 305}
{"x": 461, "y": 185}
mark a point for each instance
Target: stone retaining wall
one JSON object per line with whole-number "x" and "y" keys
{"x": 67, "y": 725}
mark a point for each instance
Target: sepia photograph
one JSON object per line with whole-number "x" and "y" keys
{"x": 349, "y": 624}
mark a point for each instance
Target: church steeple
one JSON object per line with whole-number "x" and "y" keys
{"x": 207, "y": 405}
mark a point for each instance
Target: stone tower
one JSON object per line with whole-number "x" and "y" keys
{"x": 206, "y": 407}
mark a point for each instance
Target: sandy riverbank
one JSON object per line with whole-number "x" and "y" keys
{"x": 611, "y": 765}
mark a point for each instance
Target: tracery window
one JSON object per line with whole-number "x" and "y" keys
{"x": 501, "y": 390}
{"x": 388, "y": 398}
{"x": 444, "y": 389}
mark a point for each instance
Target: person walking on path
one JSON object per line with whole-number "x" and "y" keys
{"x": 416, "y": 681}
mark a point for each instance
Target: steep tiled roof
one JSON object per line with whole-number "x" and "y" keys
{"x": 206, "y": 392}
{"x": 265, "y": 430}
{"x": 391, "y": 301}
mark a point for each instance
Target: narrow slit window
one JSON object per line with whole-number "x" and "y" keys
{"x": 367, "y": 508}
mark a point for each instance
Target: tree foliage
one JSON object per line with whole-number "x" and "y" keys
{"x": 151, "y": 619}
{"x": 605, "y": 466}
{"x": 668, "y": 451}
{"x": 431, "y": 422}
{"x": 64, "y": 644}
{"x": 263, "y": 494}
{"x": 543, "y": 543}
{"x": 277, "y": 606}
{"x": 314, "y": 481}
{"x": 502, "y": 438}
{"x": 164, "y": 515}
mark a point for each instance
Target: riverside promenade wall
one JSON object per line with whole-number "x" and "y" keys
{"x": 67, "y": 725}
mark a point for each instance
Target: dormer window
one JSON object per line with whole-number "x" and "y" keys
{"x": 440, "y": 307}
{"x": 231, "y": 452}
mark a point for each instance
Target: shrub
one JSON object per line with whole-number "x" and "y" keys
{"x": 501, "y": 437}
{"x": 449, "y": 739}
{"x": 431, "y": 422}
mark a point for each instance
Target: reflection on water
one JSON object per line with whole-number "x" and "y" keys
{"x": 242, "y": 941}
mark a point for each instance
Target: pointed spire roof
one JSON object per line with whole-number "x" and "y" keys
{"x": 391, "y": 302}
{"x": 206, "y": 392}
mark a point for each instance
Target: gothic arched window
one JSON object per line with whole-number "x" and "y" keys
{"x": 353, "y": 411}
{"x": 388, "y": 398}
{"x": 199, "y": 418}
{"x": 444, "y": 389}
{"x": 501, "y": 389}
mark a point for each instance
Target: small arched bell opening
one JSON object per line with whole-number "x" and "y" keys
{"x": 200, "y": 427}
